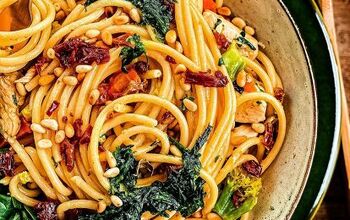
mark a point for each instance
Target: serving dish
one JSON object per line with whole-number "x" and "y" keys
{"x": 303, "y": 56}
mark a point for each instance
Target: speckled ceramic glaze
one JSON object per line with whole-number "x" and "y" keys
{"x": 284, "y": 181}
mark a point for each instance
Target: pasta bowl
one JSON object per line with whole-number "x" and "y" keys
{"x": 302, "y": 54}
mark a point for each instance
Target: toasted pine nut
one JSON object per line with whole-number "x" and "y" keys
{"x": 180, "y": 68}
{"x": 122, "y": 108}
{"x": 152, "y": 74}
{"x": 258, "y": 127}
{"x": 50, "y": 123}
{"x": 60, "y": 15}
{"x": 83, "y": 68}
{"x": 92, "y": 33}
{"x": 184, "y": 86}
{"x": 191, "y": 106}
{"x": 178, "y": 47}
{"x": 44, "y": 143}
{"x": 241, "y": 78}
{"x": 121, "y": 19}
{"x": 101, "y": 206}
{"x": 6, "y": 180}
{"x": 45, "y": 80}
{"x": 51, "y": 53}
{"x": 37, "y": 128}
{"x": 112, "y": 162}
{"x": 170, "y": 37}
{"x": 94, "y": 95}
{"x": 70, "y": 80}
{"x": 59, "y": 136}
{"x": 239, "y": 22}
{"x": 112, "y": 172}
{"x": 213, "y": 216}
{"x": 21, "y": 89}
{"x": 57, "y": 6}
{"x": 106, "y": 37}
{"x": 81, "y": 76}
{"x": 69, "y": 130}
{"x": 58, "y": 71}
{"x": 134, "y": 15}
{"x": 116, "y": 201}
{"x": 225, "y": 11}
{"x": 249, "y": 30}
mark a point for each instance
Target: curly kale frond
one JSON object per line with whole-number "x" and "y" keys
{"x": 129, "y": 53}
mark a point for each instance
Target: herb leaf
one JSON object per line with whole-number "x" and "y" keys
{"x": 242, "y": 40}
{"x": 128, "y": 54}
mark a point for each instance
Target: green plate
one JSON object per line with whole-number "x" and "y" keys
{"x": 312, "y": 31}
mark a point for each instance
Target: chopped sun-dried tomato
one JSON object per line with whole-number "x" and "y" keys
{"x": 67, "y": 151}
{"x": 77, "y": 128}
{"x": 52, "y": 108}
{"x": 238, "y": 198}
{"x": 206, "y": 79}
{"x": 141, "y": 67}
{"x": 75, "y": 51}
{"x": 253, "y": 168}
{"x": 268, "y": 139}
{"x": 122, "y": 40}
{"x": 39, "y": 64}
{"x": 170, "y": 59}
{"x": 6, "y": 163}
{"x": 209, "y": 5}
{"x": 46, "y": 210}
{"x": 24, "y": 129}
{"x": 222, "y": 41}
{"x": 85, "y": 138}
{"x": 119, "y": 85}
{"x": 279, "y": 94}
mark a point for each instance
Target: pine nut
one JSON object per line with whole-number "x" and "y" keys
{"x": 46, "y": 80}
{"x": 59, "y": 136}
{"x": 60, "y": 15}
{"x": 116, "y": 201}
{"x": 112, "y": 162}
{"x": 122, "y": 108}
{"x": 37, "y": 128}
{"x": 191, "y": 106}
{"x": 51, "y": 53}
{"x": 178, "y": 47}
{"x": 83, "y": 68}
{"x": 258, "y": 127}
{"x": 241, "y": 78}
{"x": 120, "y": 20}
{"x": 249, "y": 30}
{"x": 57, "y": 6}
{"x": 69, "y": 130}
{"x": 44, "y": 143}
{"x": 50, "y": 123}
{"x": 6, "y": 180}
{"x": 112, "y": 172}
{"x": 213, "y": 216}
{"x": 180, "y": 68}
{"x": 94, "y": 95}
{"x": 101, "y": 207}
{"x": 184, "y": 86}
{"x": 225, "y": 11}
{"x": 21, "y": 89}
{"x": 92, "y": 33}
{"x": 152, "y": 74}
{"x": 58, "y": 71}
{"x": 134, "y": 15}
{"x": 81, "y": 76}
{"x": 107, "y": 38}
{"x": 91, "y": 40}
{"x": 70, "y": 80}
{"x": 239, "y": 22}
{"x": 170, "y": 37}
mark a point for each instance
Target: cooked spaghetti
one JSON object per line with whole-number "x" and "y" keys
{"x": 136, "y": 109}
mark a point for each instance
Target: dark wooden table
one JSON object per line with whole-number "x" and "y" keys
{"x": 336, "y": 204}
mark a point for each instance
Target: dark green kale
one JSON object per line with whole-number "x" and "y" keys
{"x": 156, "y": 13}
{"x": 89, "y": 2}
{"x": 12, "y": 209}
{"x": 182, "y": 191}
{"x": 242, "y": 40}
{"x": 128, "y": 54}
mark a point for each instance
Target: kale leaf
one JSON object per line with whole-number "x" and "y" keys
{"x": 156, "y": 13}
{"x": 182, "y": 191}
{"x": 89, "y": 2}
{"x": 128, "y": 54}
{"x": 10, "y": 208}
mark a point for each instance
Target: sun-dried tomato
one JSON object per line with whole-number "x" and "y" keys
{"x": 67, "y": 152}
{"x": 206, "y": 79}
{"x": 222, "y": 41}
{"x": 6, "y": 163}
{"x": 77, "y": 128}
{"x": 237, "y": 198}
{"x": 46, "y": 210}
{"x": 122, "y": 40}
{"x": 279, "y": 94}
{"x": 75, "y": 51}
{"x": 39, "y": 64}
{"x": 269, "y": 134}
{"x": 170, "y": 59}
{"x": 85, "y": 138}
{"x": 52, "y": 108}
{"x": 253, "y": 168}
{"x": 24, "y": 129}
{"x": 141, "y": 67}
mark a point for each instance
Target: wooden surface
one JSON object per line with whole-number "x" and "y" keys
{"x": 336, "y": 204}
